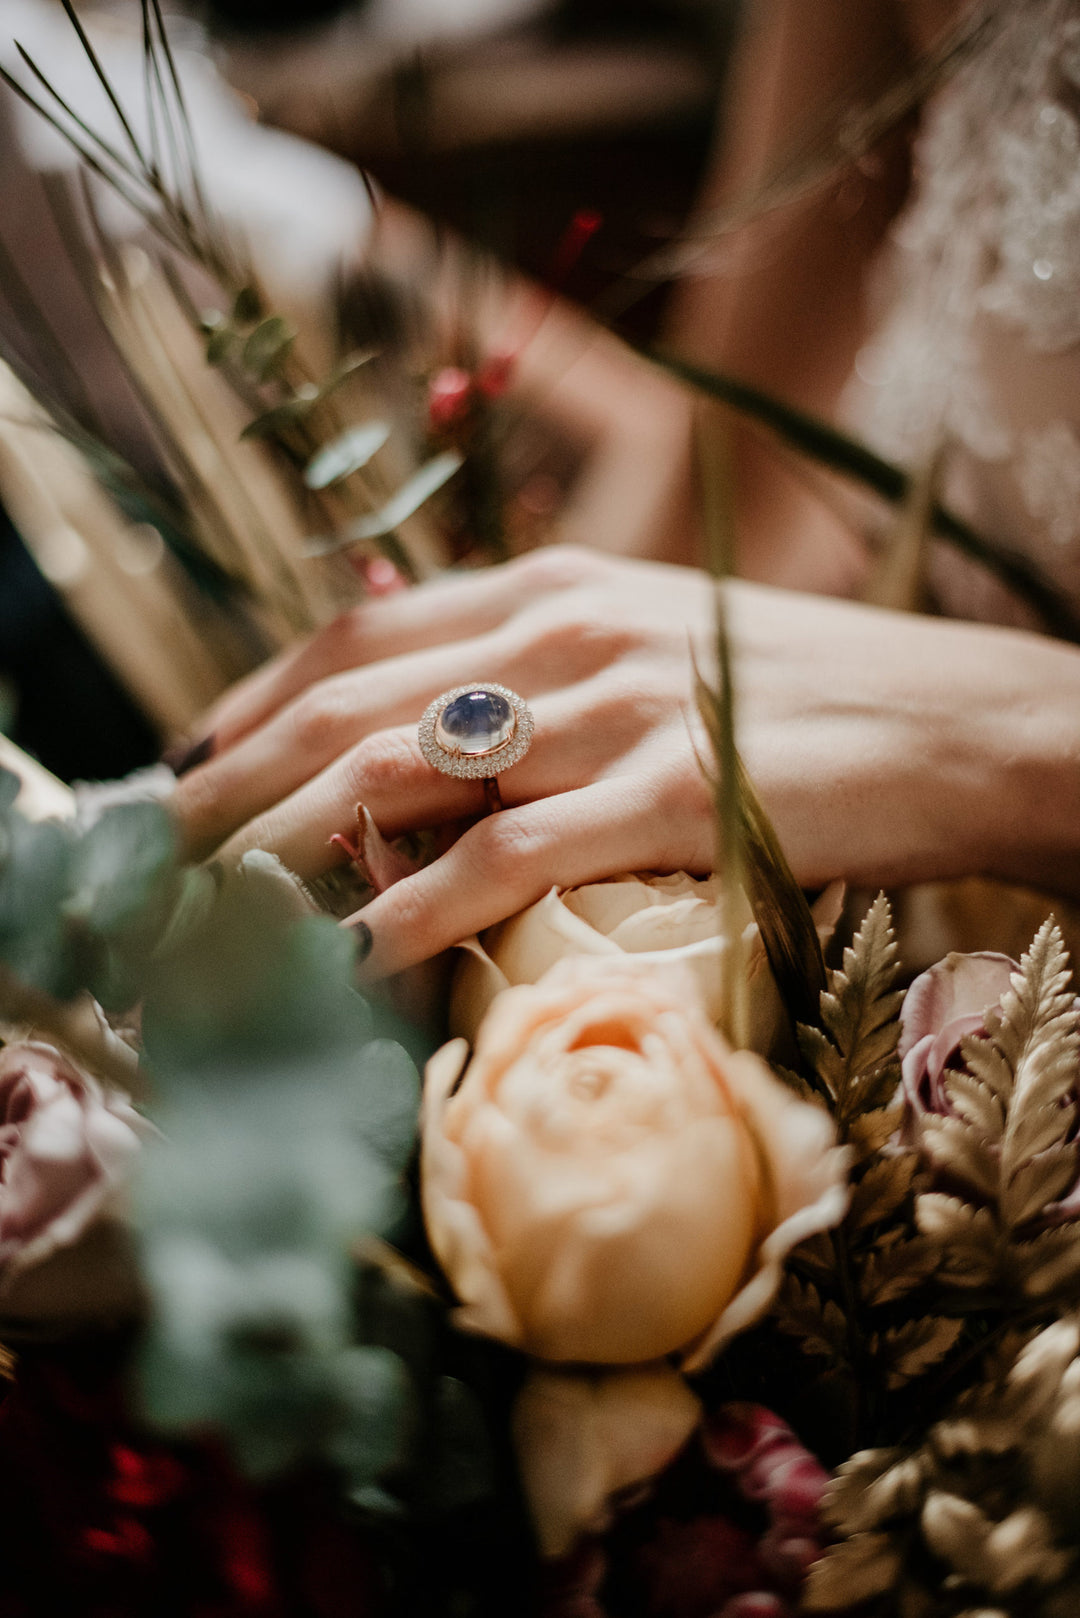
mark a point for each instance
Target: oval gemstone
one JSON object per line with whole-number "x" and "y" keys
{"x": 477, "y": 722}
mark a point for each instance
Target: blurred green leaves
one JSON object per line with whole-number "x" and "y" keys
{"x": 287, "y": 1121}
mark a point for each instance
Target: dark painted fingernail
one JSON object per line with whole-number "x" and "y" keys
{"x": 364, "y": 940}
{"x": 182, "y": 759}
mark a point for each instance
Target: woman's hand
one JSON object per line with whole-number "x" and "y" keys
{"x": 887, "y": 748}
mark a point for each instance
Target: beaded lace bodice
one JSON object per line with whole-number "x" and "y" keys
{"x": 978, "y": 342}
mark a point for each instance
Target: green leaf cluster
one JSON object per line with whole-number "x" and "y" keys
{"x": 79, "y": 905}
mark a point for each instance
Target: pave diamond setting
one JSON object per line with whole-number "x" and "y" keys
{"x": 476, "y": 731}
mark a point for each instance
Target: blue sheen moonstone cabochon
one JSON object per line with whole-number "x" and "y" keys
{"x": 477, "y": 722}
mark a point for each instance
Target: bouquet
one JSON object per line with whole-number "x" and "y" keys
{"x": 697, "y": 1278}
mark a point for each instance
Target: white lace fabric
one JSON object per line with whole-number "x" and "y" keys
{"x": 978, "y": 342}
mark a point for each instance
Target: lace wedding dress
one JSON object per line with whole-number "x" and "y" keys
{"x": 978, "y": 342}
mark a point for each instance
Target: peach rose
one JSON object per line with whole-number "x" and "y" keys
{"x": 609, "y": 1182}
{"x": 657, "y": 919}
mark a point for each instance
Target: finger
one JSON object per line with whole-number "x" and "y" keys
{"x": 390, "y": 776}
{"x": 513, "y": 858}
{"x": 302, "y": 738}
{"x": 452, "y": 608}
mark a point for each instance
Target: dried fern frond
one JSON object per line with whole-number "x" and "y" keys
{"x": 853, "y": 1054}
{"x": 1006, "y": 1152}
{"x": 978, "y": 1518}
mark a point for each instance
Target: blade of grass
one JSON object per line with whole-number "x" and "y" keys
{"x": 104, "y": 80}
{"x": 830, "y": 447}
{"x": 750, "y": 848}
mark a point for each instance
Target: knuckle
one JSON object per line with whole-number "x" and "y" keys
{"x": 343, "y": 638}
{"x": 513, "y": 850}
{"x": 559, "y": 567}
{"x": 320, "y": 718}
{"x": 382, "y": 762}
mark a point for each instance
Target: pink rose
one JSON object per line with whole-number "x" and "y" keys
{"x": 66, "y": 1149}
{"x": 942, "y": 1007}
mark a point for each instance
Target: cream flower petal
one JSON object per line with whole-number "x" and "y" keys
{"x": 809, "y": 1180}
{"x": 583, "y": 1437}
{"x": 458, "y": 1237}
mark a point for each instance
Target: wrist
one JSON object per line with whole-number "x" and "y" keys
{"x": 1030, "y": 790}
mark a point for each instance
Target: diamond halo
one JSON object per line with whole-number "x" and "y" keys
{"x": 476, "y": 766}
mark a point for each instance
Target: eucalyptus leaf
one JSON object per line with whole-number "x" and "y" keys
{"x": 267, "y": 346}
{"x": 346, "y": 454}
{"x": 34, "y": 884}
{"x": 409, "y": 498}
{"x": 378, "y": 1415}
{"x": 120, "y": 866}
{"x": 247, "y": 306}
{"x": 284, "y": 416}
{"x": 221, "y": 342}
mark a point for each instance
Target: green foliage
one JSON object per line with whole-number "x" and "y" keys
{"x": 286, "y": 1126}
{"x": 286, "y": 1117}
{"x": 76, "y": 903}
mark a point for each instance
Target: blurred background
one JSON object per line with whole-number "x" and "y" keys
{"x": 501, "y": 123}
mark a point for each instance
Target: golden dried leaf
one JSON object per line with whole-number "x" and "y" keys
{"x": 854, "y": 1057}
{"x": 820, "y": 1327}
{"x": 912, "y": 1348}
{"x": 1049, "y": 1263}
{"x": 848, "y": 1574}
{"x": 815, "y": 1259}
{"x": 961, "y": 1153}
{"x": 988, "y": 1065}
{"x": 1037, "y": 1183}
{"x": 956, "y": 1530}
{"x": 1038, "y": 1035}
{"x": 845, "y": 1491}
{"x": 1020, "y": 1551}
{"x": 869, "y": 1132}
{"x": 967, "y": 1238}
{"x": 881, "y": 1190}
{"x": 879, "y": 1501}
{"x": 892, "y": 1271}
{"x": 976, "y": 1103}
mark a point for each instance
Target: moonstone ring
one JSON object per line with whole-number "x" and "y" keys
{"x": 475, "y": 732}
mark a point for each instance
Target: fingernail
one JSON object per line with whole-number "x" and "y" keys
{"x": 182, "y": 759}
{"x": 364, "y": 940}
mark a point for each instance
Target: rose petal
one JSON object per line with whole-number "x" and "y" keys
{"x": 66, "y": 1148}
{"x": 582, "y": 1438}
{"x": 457, "y": 1234}
{"x": 958, "y": 986}
{"x": 808, "y": 1173}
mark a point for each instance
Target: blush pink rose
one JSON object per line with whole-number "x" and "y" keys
{"x": 942, "y": 1007}
{"x": 66, "y": 1150}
